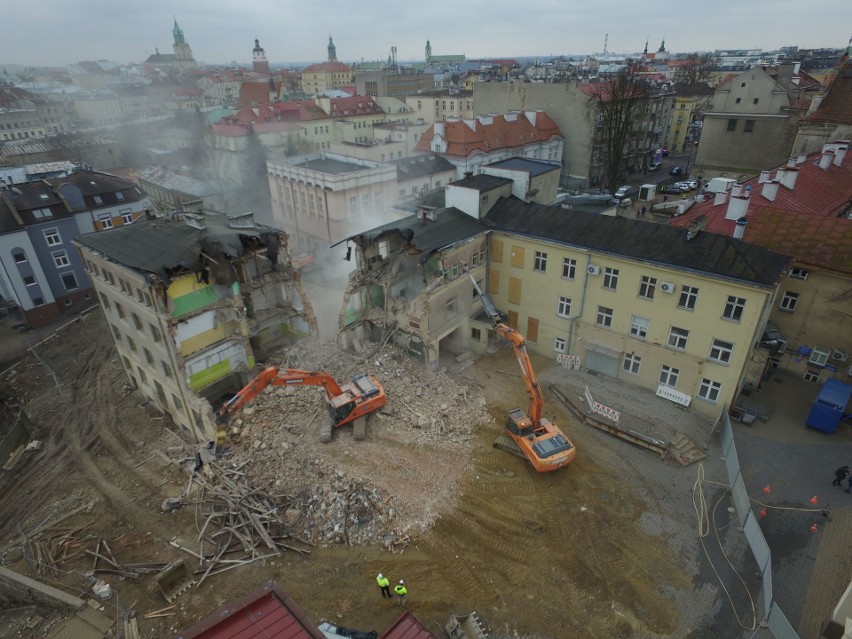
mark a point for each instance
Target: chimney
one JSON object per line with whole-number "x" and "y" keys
{"x": 801, "y": 158}
{"x": 764, "y": 177}
{"x": 770, "y": 190}
{"x": 720, "y": 198}
{"x": 779, "y": 175}
{"x": 839, "y": 154}
{"x": 825, "y": 160}
{"x": 739, "y": 228}
{"x": 791, "y": 163}
{"x": 790, "y": 178}
{"x": 737, "y": 189}
{"x": 737, "y": 207}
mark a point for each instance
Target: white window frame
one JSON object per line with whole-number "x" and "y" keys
{"x": 819, "y": 356}
{"x": 639, "y": 327}
{"x": 678, "y": 338}
{"x": 669, "y": 375}
{"x": 126, "y": 216}
{"x": 52, "y": 236}
{"x": 688, "y": 297}
{"x": 647, "y": 287}
{"x": 559, "y": 344}
{"x": 799, "y": 274}
{"x": 708, "y": 390}
{"x": 569, "y": 268}
{"x": 721, "y": 351}
{"x": 734, "y": 307}
{"x": 632, "y": 363}
{"x": 60, "y": 259}
{"x": 604, "y": 317}
{"x": 610, "y": 278}
{"x": 563, "y": 307}
{"x": 62, "y": 277}
{"x": 540, "y": 262}
{"x": 106, "y": 221}
{"x": 789, "y": 301}
{"x": 22, "y": 254}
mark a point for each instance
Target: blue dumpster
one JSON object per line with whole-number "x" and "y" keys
{"x": 830, "y": 405}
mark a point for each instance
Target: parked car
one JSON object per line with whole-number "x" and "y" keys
{"x": 671, "y": 189}
{"x": 664, "y": 151}
{"x": 683, "y": 186}
{"x": 676, "y": 170}
{"x": 693, "y": 184}
{"x": 621, "y": 192}
{"x": 654, "y": 166}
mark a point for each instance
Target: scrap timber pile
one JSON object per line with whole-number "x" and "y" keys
{"x": 346, "y": 491}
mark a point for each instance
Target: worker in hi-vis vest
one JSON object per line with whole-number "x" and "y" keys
{"x": 400, "y": 591}
{"x": 384, "y": 584}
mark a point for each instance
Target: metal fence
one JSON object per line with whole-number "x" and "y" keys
{"x": 773, "y": 616}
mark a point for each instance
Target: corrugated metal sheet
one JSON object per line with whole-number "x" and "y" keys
{"x": 407, "y": 627}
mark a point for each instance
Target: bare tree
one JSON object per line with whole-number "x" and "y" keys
{"x": 615, "y": 106}
{"x": 697, "y": 70}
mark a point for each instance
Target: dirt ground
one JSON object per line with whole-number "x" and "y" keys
{"x": 560, "y": 555}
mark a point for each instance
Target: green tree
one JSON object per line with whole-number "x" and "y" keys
{"x": 697, "y": 69}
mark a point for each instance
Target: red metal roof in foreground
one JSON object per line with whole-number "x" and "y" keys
{"x": 407, "y": 627}
{"x": 266, "y": 613}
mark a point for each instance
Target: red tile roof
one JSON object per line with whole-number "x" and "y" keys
{"x": 355, "y": 105}
{"x": 327, "y": 67}
{"x": 462, "y": 140}
{"x": 809, "y": 223}
{"x": 256, "y": 92}
{"x": 407, "y": 627}
{"x": 836, "y": 106}
{"x": 268, "y": 612}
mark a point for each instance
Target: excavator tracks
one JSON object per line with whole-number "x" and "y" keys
{"x": 359, "y": 428}
{"x": 504, "y": 442}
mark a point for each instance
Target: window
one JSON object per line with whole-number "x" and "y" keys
{"x": 365, "y": 198}
{"x": 69, "y": 281}
{"x": 734, "y": 308}
{"x": 19, "y": 256}
{"x": 669, "y": 375}
{"x": 647, "y": 287}
{"x": 142, "y": 375}
{"x": 721, "y": 351}
{"x": 155, "y": 333}
{"x": 136, "y": 321}
{"x": 678, "y": 337}
{"x": 563, "y": 307}
{"x": 119, "y": 196}
{"x": 51, "y": 236}
{"x": 116, "y": 332}
{"x": 811, "y": 376}
{"x": 178, "y": 404}
{"x": 789, "y": 301}
{"x": 119, "y": 309}
{"x": 540, "y": 262}
{"x": 476, "y": 334}
{"x": 148, "y": 357}
{"x": 126, "y": 216}
{"x": 631, "y": 363}
{"x": 604, "y": 317}
{"x": 708, "y": 390}
{"x": 819, "y": 356}
{"x": 749, "y": 126}
{"x": 450, "y": 306}
{"x": 60, "y": 258}
{"x": 106, "y": 222}
{"x": 559, "y": 345}
{"x": 732, "y": 125}
{"x": 639, "y": 327}
{"x": 104, "y": 301}
{"x": 610, "y": 279}
{"x": 29, "y": 280}
{"x": 38, "y": 301}
{"x": 756, "y": 100}
{"x": 739, "y": 100}
{"x": 569, "y": 268}
{"x": 688, "y": 295}
{"x": 353, "y": 203}
{"x": 131, "y": 343}
{"x": 166, "y": 368}
{"x": 98, "y": 199}
{"x": 799, "y": 273}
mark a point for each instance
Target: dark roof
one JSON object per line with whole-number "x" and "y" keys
{"x": 161, "y": 246}
{"x": 419, "y": 165}
{"x": 481, "y": 182}
{"x": 449, "y": 227}
{"x": 266, "y": 612}
{"x": 407, "y": 627}
{"x": 834, "y": 107}
{"x": 327, "y": 165}
{"x": 533, "y": 167}
{"x": 709, "y": 253}
{"x": 435, "y": 199}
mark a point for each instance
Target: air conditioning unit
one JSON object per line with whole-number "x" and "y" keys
{"x": 840, "y": 356}
{"x": 593, "y": 270}
{"x": 667, "y": 287}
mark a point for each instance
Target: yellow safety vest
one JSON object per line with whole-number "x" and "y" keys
{"x": 383, "y": 582}
{"x": 400, "y": 590}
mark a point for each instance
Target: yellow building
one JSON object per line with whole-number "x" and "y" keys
{"x": 682, "y": 116}
{"x": 325, "y": 76}
{"x": 440, "y": 104}
{"x": 642, "y": 302}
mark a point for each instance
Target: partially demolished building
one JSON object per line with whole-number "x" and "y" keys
{"x": 192, "y": 300}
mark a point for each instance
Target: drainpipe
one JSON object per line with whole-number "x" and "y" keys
{"x": 582, "y": 303}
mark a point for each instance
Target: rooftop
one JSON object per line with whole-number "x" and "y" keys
{"x": 331, "y": 166}
{"x": 481, "y": 182}
{"x": 533, "y": 167}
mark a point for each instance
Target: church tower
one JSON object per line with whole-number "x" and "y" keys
{"x": 428, "y": 51}
{"x": 332, "y": 51}
{"x": 183, "y": 54}
{"x": 259, "y": 63}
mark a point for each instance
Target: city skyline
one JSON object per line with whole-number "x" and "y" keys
{"x": 220, "y": 32}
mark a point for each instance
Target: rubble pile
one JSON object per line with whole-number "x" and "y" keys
{"x": 348, "y": 491}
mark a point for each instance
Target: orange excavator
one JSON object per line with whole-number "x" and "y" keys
{"x": 528, "y": 433}
{"x": 350, "y": 403}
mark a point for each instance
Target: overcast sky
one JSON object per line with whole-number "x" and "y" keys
{"x": 58, "y": 32}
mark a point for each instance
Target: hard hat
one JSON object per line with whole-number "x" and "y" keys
{"x": 401, "y": 581}
{"x": 381, "y": 576}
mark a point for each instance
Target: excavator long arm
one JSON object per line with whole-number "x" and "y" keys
{"x": 527, "y": 371}
{"x": 279, "y": 377}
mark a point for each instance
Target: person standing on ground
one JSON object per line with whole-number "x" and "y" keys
{"x": 384, "y": 584}
{"x": 839, "y": 475}
{"x": 401, "y": 591}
